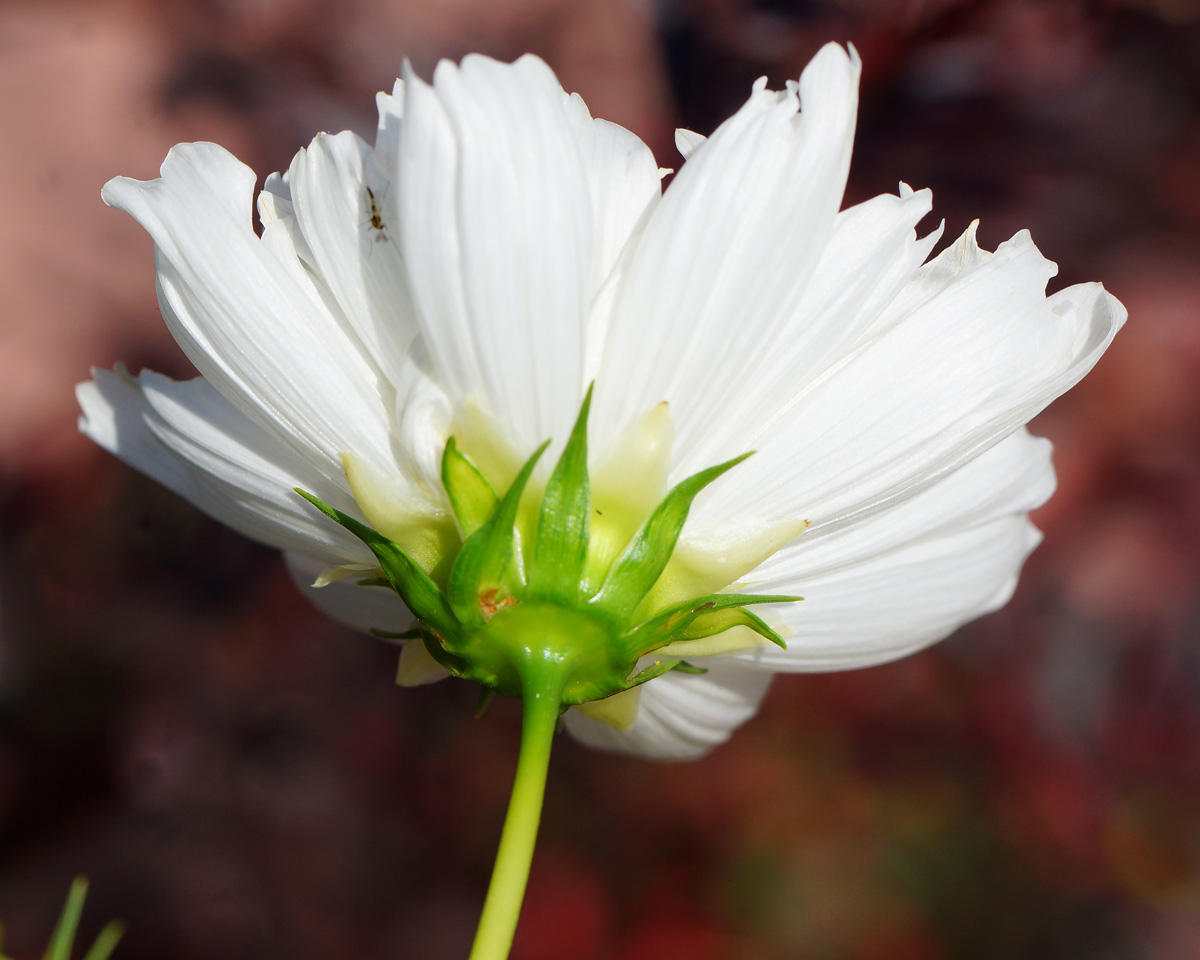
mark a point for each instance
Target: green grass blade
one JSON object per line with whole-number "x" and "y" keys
{"x": 106, "y": 942}
{"x": 63, "y": 937}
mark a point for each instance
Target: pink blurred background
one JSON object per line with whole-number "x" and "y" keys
{"x": 240, "y": 778}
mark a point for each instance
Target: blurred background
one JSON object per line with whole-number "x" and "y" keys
{"x": 240, "y": 778}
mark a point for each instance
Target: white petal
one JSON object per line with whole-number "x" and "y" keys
{"x": 114, "y": 417}
{"x": 724, "y": 259}
{"x": 265, "y": 341}
{"x": 688, "y": 141}
{"x": 625, "y": 185}
{"x": 964, "y": 368}
{"x": 196, "y": 443}
{"x": 344, "y": 208}
{"x": 1011, "y": 478}
{"x": 363, "y": 608}
{"x": 623, "y": 180}
{"x": 281, "y": 235}
{"x": 883, "y": 587}
{"x": 905, "y": 578}
{"x": 425, "y": 416}
{"x": 496, "y": 227}
{"x": 871, "y": 255}
{"x": 681, "y": 716}
{"x": 423, "y": 411}
{"x": 391, "y": 121}
{"x": 894, "y": 604}
{"x": 417, "y": 667}
{"x": 275, "y": 199}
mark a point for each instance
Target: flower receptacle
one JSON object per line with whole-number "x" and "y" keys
{"x": 543, "y": 645}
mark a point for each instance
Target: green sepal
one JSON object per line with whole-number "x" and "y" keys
{"x": 710, "y": 623}
{"x": 405, "y": 575}
{"x": 486, "y": 562}
{"x": 656, "y": 669}
{"x": 690, "y": 668}
{"x": 701, "y": 617}
{"x": 416, "y": 633}
{"x": 643, "y": 560}
{"x": 373, "y": 582}
{"x": 520, "y": 602}
{"x": 485, "y": 697}
{"x": 471, "y": 496}
{"x": 455, "y": 664}
{"x": 560, "y": 552}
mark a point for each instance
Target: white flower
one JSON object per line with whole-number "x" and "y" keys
{"x": 497, "y": 250}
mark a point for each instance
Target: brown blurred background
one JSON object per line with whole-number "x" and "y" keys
{"x": 239, "y": 777}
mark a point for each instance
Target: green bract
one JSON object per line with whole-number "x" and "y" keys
{"x": 542, "y": 613}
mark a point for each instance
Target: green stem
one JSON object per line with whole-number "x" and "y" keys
{"x": 502, "y": 908}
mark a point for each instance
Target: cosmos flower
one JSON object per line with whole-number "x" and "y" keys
{"x": 495, "y": 252}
